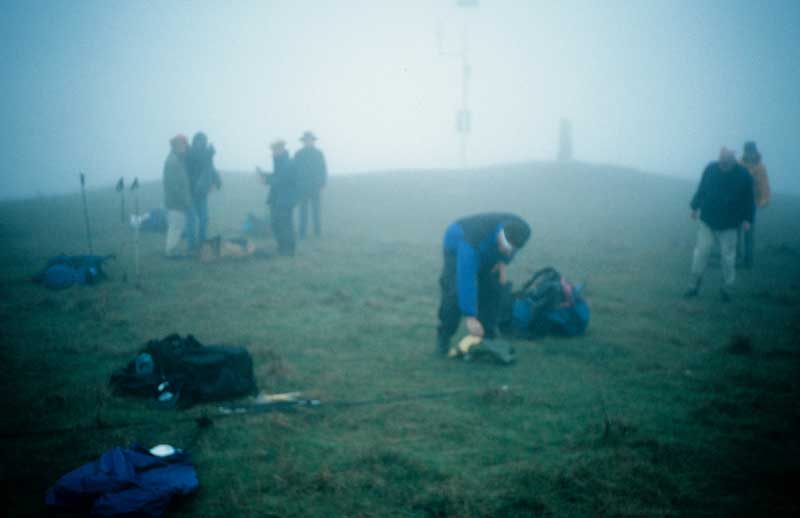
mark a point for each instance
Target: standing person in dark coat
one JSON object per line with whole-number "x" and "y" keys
{"x": 476, "y": 251}
{"x": 724, "y": 201}
{"x": 312, "y": 175}
{"x": 203, "y": 177}
{"x": 751, "y": 160}
{"x": 282, "y": 197}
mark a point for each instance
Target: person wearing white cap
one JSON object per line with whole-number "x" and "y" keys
{"x": 282, "y": 197}
{"x": 476, "y": 251}
{"x": 724, "y": 203}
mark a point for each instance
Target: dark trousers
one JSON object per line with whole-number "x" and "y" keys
{"x": 282, "y": 222}
{"x": 314, "y": 202}
{"x": 746, "y": 246}
{"x": 489, "y": 295}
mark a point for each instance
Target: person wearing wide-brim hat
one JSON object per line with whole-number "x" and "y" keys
{"x": 282, "y": 197}
{"x": 312, "y": 175}
{"x": 751, "y": 160}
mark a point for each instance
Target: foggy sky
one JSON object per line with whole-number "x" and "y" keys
{"x": 101, "y": 86}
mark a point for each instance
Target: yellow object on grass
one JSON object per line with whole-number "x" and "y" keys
{"x": 464, "y": 346}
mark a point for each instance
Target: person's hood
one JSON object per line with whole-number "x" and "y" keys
{"x": 199, "y": 141}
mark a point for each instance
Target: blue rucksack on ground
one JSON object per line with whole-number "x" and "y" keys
{"x": 546, "y": 304}
{"x": 63, "y": 271}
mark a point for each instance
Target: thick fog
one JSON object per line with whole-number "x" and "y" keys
{"x": 100, "y": 86}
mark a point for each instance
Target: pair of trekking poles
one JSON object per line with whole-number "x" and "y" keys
{"x": 120, "y": 188}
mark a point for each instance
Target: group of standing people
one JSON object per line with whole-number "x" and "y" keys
{"x": 725, "y": 202}
{"x": 189, "y": 177}
{"x": 295, "y": 182}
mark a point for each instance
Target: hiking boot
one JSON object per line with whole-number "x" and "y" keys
{"x": 442, "y": 346}
{"x": 691, "y": 292}
{"x": 694, "y": 289}
{"x": 725, "y": 295}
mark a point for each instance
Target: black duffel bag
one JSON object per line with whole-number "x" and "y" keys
{"x": 188, "y": 372}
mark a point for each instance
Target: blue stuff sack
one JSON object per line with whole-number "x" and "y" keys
{"x": 63, "y": 271}
{"x": 59, "y": 277}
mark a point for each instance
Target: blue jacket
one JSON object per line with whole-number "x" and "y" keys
{"x": 202, "y": 173}
{"x": 473, "y": 241}
{"x": 129, "y": 482}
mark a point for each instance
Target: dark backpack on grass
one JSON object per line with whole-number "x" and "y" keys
{"x": 193, "y": 372}
{"x": 546, "y": 304}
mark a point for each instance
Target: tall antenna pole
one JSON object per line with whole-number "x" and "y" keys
{"x": 138, "y": 222}
{"x": 86, "y": 214}
{"x": 464, "y": 116}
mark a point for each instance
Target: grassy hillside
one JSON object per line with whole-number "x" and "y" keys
{"x": 665, "y": 407}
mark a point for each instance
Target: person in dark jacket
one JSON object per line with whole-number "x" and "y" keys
{"x": 476, "y": 251}
{"x": 203, "y": 177}
{"x": 724, "y": 202}
{"x": 312, "y": 174}
{"x": 282, "y": 197}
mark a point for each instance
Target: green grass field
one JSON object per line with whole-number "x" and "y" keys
{"x": 665, "y": 407}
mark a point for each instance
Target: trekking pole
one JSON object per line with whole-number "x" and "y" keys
{"x": 137, "y": 223}
{"x": 86, "y": 215}
{"x": 121, "y": 190}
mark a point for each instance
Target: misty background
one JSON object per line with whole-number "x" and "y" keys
{"x": 100, "y": 86}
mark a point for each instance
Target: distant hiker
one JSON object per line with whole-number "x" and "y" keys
{"x": 177, "y": 198}
{"x": 476, "y": 251}
{"x": 203, "y": 177}
{"x": 724, "y": 200}
{"x": 751, "y": 160}
{"x": 282, "y": 197}
{"x": 312, "y": 174}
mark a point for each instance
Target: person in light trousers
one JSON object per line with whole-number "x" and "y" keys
{"x": 723, "y": 203}
{"x": 177, "y": 198}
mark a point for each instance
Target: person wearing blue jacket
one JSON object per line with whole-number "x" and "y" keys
{"x": 476, "y": 251}
{"x": 203, "y": 177}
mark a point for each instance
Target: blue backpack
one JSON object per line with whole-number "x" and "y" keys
{"x": 63, "y": 271}
{"x": 546, "y": 304}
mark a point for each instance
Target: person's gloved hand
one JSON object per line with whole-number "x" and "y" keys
{"x": 474, "y": 326}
